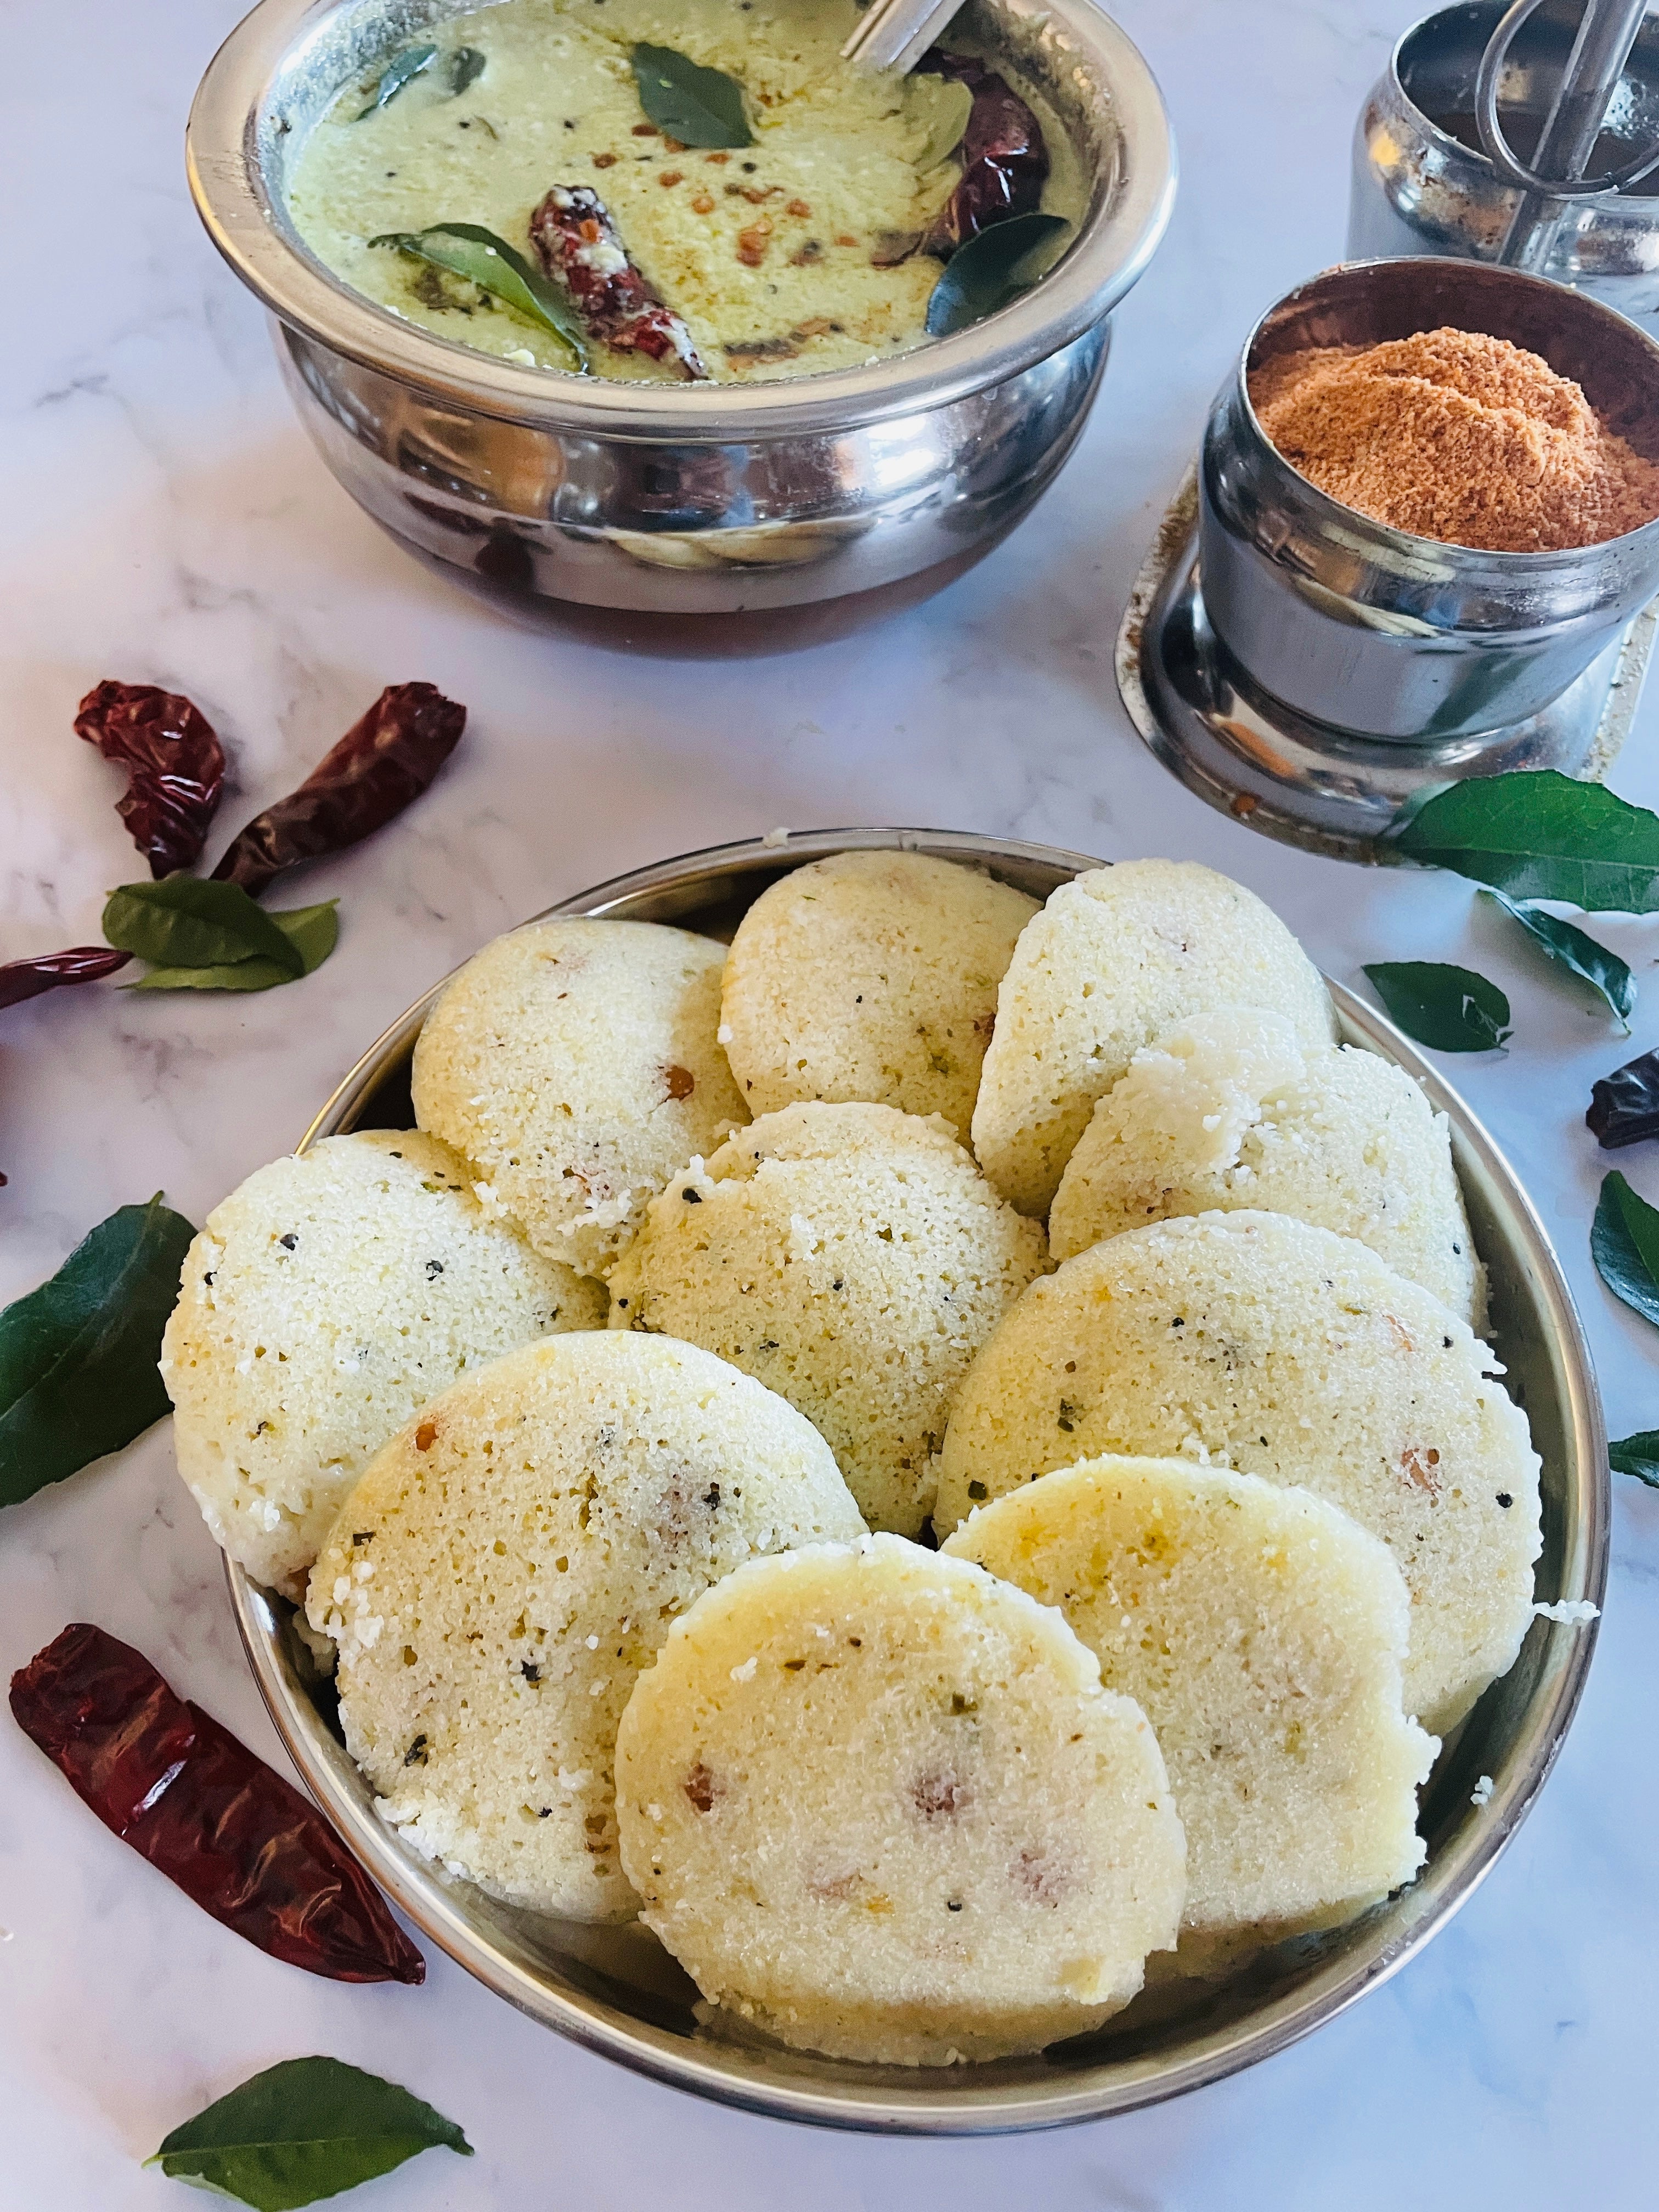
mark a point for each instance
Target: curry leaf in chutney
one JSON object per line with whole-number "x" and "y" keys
{"x": 468, "y": 250}
{"x": 699, "y": 106}
{"x": 402, "y": 69}
{"x": 467, "y": 66}
{"x": 990, "y": 270}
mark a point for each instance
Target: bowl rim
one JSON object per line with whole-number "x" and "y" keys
{"x": 1110, "y": 251}
{"x": 948, "y": 2102}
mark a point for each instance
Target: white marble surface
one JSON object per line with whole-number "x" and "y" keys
{"x": 163, "y": 519}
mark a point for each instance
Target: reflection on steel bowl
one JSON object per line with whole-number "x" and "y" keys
{"x": 886, "y": 480}
{"x": 617, "y": 1991}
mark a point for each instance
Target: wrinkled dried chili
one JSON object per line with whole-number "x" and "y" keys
{"x": 82, "y": 963}
{"x": 197, "y": 1804}
{"x": 1005, "y": 161}
{"x": 578, "y": 244}
{"x": 175, "y": 765}
{"x": 1625, "y": 1106}
{"x": 382, "y": 763}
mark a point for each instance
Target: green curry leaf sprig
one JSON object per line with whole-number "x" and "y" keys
{"x": 77, "y": 1356}
{"x": 305, "y": 2129}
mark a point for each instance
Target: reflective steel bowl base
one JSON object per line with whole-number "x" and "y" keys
{"x": 618, "y": 1993}
{"x": 1310, "y": 783}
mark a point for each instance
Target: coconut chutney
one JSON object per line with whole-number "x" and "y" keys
{"x": 780, "y": 257}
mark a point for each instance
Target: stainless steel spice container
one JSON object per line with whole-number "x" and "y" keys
{"x": 1422, "y": 183}
{"x": 1366, "y": 629}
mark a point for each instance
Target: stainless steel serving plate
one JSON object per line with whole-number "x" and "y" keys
{"x": 710, "y": 513}
{"x": 617, "y": 1991}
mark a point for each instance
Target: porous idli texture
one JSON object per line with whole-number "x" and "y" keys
{"x": 1263, "y": 1632}
{"x": 877, "y": 1802}
{"x": 1287, "y": 1351}
{"x": 510, "y": 1562}
{"x": 853, "y": 1259}
{"x": 870, "y": 976}
{"x": 575, "y": 1065}
{"x": 1118, "y": 957}
{"x": 1232, "y": 1110}
{"x": 326, "y": 1299}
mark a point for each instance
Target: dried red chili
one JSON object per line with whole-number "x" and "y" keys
{"x": 579, "y": 247}
{"x": 175, "y": 764}
{"x": 382, "y": 763}
{"x": 82, "y": 963}
{"x": 197, "y": 1804}
{"x": 1625, "y": 1106}
{"x": 1005, "y": 161}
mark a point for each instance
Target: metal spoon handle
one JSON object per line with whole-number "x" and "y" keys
{"x": 895, "y": 34}
{"x": 1607, "y": 31}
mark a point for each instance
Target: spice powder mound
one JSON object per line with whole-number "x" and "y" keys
{"x": 1458, "y": 436}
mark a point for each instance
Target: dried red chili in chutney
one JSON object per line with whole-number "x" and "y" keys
{"x": 197, "y": 1804}
{"x": 1005, "y": 160}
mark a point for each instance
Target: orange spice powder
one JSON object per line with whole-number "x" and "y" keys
{"x": 1458, "y": 436}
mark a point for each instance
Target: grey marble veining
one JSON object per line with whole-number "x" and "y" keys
{"x": 164, "y": 519}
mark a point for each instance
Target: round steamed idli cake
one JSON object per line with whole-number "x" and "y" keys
{"x": 1118, "y": 957}
{"x": 871, "y": 975}
{"x": 1288, "y": 1353}
{"x": 877, "y": 1802}
{"x": 1232, "y": 1110}
{"x": 1263, "y": 1633}
{"x": 327, "y": 1298}
{"x": 854, "y": 1259}
{"x": 509, "y": 1563}
{"x": 575, "y": 1065}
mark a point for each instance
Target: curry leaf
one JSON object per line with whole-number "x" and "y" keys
{"x": 698, "y": 107}
{"x": 305, "y": 2129}
{"x": 468, "y": 250}
{"x": 1625, "y": 1246}
{"x": 1638, "y": 1455}
{"x": 990, "y": 270}
{"x": 400, "y": 70}
{"x": 1538, "y": 834}
{"x": 314, "y": 931}
{"x": 952, "y": 104}
{"x": 183, "y": 922}
{"x": 77, "y": 1356}
{"x": 1452, "y": 1009}
{"x": 467, "y": 66}
{"x": 1602, "y": 970}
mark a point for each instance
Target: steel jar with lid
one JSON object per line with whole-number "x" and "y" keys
{"x": 1366, "y": 629}
{"x": 1422, "y": 183}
